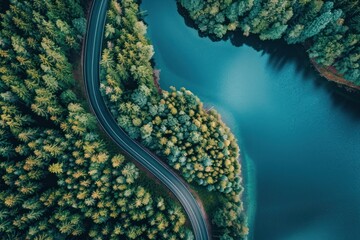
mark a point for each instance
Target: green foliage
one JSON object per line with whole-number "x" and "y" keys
{"x": 329, "y": 45}
{"x": 351, "y": 8}
{"x": 175, "y": 125}
{"x": 57, "y": 179}
{"x": 269, "y": 19}
{"x": 318, "y": 24}
{"x": 321, "y": 24}
{"x": 230, "y": 218}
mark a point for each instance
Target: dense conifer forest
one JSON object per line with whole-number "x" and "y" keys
{"x": 58, "y": 180}
{"x": 329, "y": 29}
{"x": 174, "y": 124}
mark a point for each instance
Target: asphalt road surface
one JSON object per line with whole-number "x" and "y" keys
{"x": 91, "y": 66}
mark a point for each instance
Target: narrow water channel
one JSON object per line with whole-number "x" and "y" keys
{"x": 299, "y": 135}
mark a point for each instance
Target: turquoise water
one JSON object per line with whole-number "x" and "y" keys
{"x": 298, "y": 134}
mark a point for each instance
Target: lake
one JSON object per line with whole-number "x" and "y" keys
{"x": 298, "y": 133}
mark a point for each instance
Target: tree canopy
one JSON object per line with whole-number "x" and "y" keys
{"x": 174, "y": 124}
{"x": 58, "y": 180}
{"x": 329, "y": 29}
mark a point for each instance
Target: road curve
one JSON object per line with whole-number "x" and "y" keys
{"x": 91, "y": 68}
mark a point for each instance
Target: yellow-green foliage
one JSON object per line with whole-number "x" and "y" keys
{"x": 57, "y": 179}
{"x": 329, "y": 28}
{"x": 125, "y": 60}
{"x": 173, "y": 124}
{"x": 193, "y": 140}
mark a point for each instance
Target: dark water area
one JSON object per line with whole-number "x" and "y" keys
{"x": 4, "y": 6}
{"x": 299, "y": 134}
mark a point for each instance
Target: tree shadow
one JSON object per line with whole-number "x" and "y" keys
{"x": 280, "y": 54}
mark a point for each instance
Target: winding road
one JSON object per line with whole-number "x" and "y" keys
{"x": 91, "y": 67}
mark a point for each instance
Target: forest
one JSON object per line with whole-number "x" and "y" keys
{"x": 174, "y": 124}
{"x": 329, "y": 30}
{"x": 58, "y": 177}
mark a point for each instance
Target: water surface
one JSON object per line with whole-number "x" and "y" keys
{"x": 299, "y": 131}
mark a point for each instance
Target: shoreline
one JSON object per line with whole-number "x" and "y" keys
{"x": 248, "y": 171}
{"x": 326, "y": 72}
{"x": 249, "y": 196}
{"x": 333, "y": 76}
